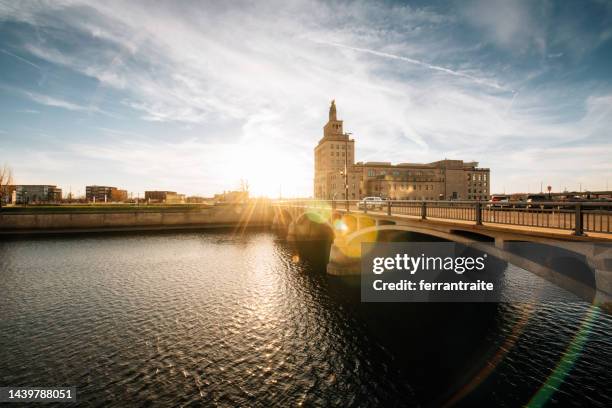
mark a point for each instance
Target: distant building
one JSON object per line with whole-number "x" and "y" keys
{"x": 440, "y": 180}
{"x": 167, "y": 197}
{"x": 119, "y": 196}
{"x": 102, "y": 194}
{"x": 232, "y": 197}
{"x": 197, "y": 200}
{"x": 8, "y": 194}
{"x": 37, "y": 194}
{"x": 175, "y": 198}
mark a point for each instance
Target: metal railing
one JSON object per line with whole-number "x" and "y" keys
{"x": 580, "y": 217}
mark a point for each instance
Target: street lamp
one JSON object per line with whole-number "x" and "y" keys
{"x": 346, "y": 153}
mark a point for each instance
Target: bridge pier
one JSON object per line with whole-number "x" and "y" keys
{"x": 344, "y": 260}
{"x": 602, "y": 268}
{"x": 312, "y": 226}
{"x": 500, "y": 243}
{"x": 281, "y": 221}
{"x": 308, "y": 231}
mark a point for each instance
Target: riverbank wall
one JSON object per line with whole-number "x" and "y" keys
{"x": 252, "y": 214}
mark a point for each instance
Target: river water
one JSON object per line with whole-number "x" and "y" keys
{"x": 224, "y": 319}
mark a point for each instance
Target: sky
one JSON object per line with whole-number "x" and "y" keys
{"x": 196, "y": 96}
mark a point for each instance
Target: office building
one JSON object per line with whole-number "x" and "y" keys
{"x": 166, "y": 197}
{"x": 440, "y": 180}
{"x": 103, "y": 194}
{"x": 37, "y": 194}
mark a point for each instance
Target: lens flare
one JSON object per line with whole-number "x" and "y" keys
{"x": 340, "y": 226}
{"x": 318, "y": 216}
{"x": 360, "y": 230}
{"x": 571, "y": 355}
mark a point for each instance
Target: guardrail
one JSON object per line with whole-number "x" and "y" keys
{"x": 580, "y": 217}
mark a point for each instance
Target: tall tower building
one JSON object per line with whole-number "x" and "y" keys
{"x": 338, "y": 177}
{"x": 334, "y": 155}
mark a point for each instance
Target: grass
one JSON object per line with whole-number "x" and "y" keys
{"x": 102, "y": 208}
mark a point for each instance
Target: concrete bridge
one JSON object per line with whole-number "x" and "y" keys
{"x": 579, "y": 234}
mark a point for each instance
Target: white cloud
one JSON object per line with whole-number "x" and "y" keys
{"x": 55, "y": 102}
{"x": 407, "y": 91}
{"x": 516, "y": 25}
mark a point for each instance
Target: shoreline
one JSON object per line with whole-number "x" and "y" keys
{"x": 144, "y": 228}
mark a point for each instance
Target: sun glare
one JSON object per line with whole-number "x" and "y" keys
{"x": 266, "y": 168}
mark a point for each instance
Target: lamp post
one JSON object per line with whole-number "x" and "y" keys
{"x": 346, "y": 153}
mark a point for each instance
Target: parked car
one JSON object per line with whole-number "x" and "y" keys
{"x": 371, "y": 203}
{"x": 536, "y": 200}
{"x": 574, "y": 199}
{"x": 499, "y": 200}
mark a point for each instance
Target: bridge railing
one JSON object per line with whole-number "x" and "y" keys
{"x": 580, "y": 217}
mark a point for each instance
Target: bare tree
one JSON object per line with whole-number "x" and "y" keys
{"x": 6, "y": 179}
{"x": 244, "y": 185}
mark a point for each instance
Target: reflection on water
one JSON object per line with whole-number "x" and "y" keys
{"x": 248, "y": 320}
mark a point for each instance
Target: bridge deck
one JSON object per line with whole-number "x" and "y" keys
{"x": 556, "y": 233}
{"x": 542, "y": 231}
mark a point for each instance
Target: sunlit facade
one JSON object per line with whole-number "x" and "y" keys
{"x": 440, "y": 180}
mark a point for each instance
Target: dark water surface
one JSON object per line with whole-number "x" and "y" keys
{"x": 214, "y": 318}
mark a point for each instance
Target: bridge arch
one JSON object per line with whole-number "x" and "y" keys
{"x": 476, "y": 236}
{"x": 589, "y": 255}
{"x": 371, "y": 232}
{"x": 563, "y": 267}
{"x": 311, "y": 226}
{"x": 282, "y": 217}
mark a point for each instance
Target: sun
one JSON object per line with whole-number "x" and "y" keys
{"x": 268, "y": 170}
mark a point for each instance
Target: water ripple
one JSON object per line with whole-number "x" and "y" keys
{"x": 214, "y": 319}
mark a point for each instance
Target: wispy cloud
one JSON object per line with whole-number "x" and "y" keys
{"x": 54, "y": 102}
{"x": 24, "y": 60}
{"x": 214, "y": 83}
{"x": 481, "y": 81}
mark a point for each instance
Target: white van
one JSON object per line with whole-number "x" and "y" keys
{"x": 371, "y": 203}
